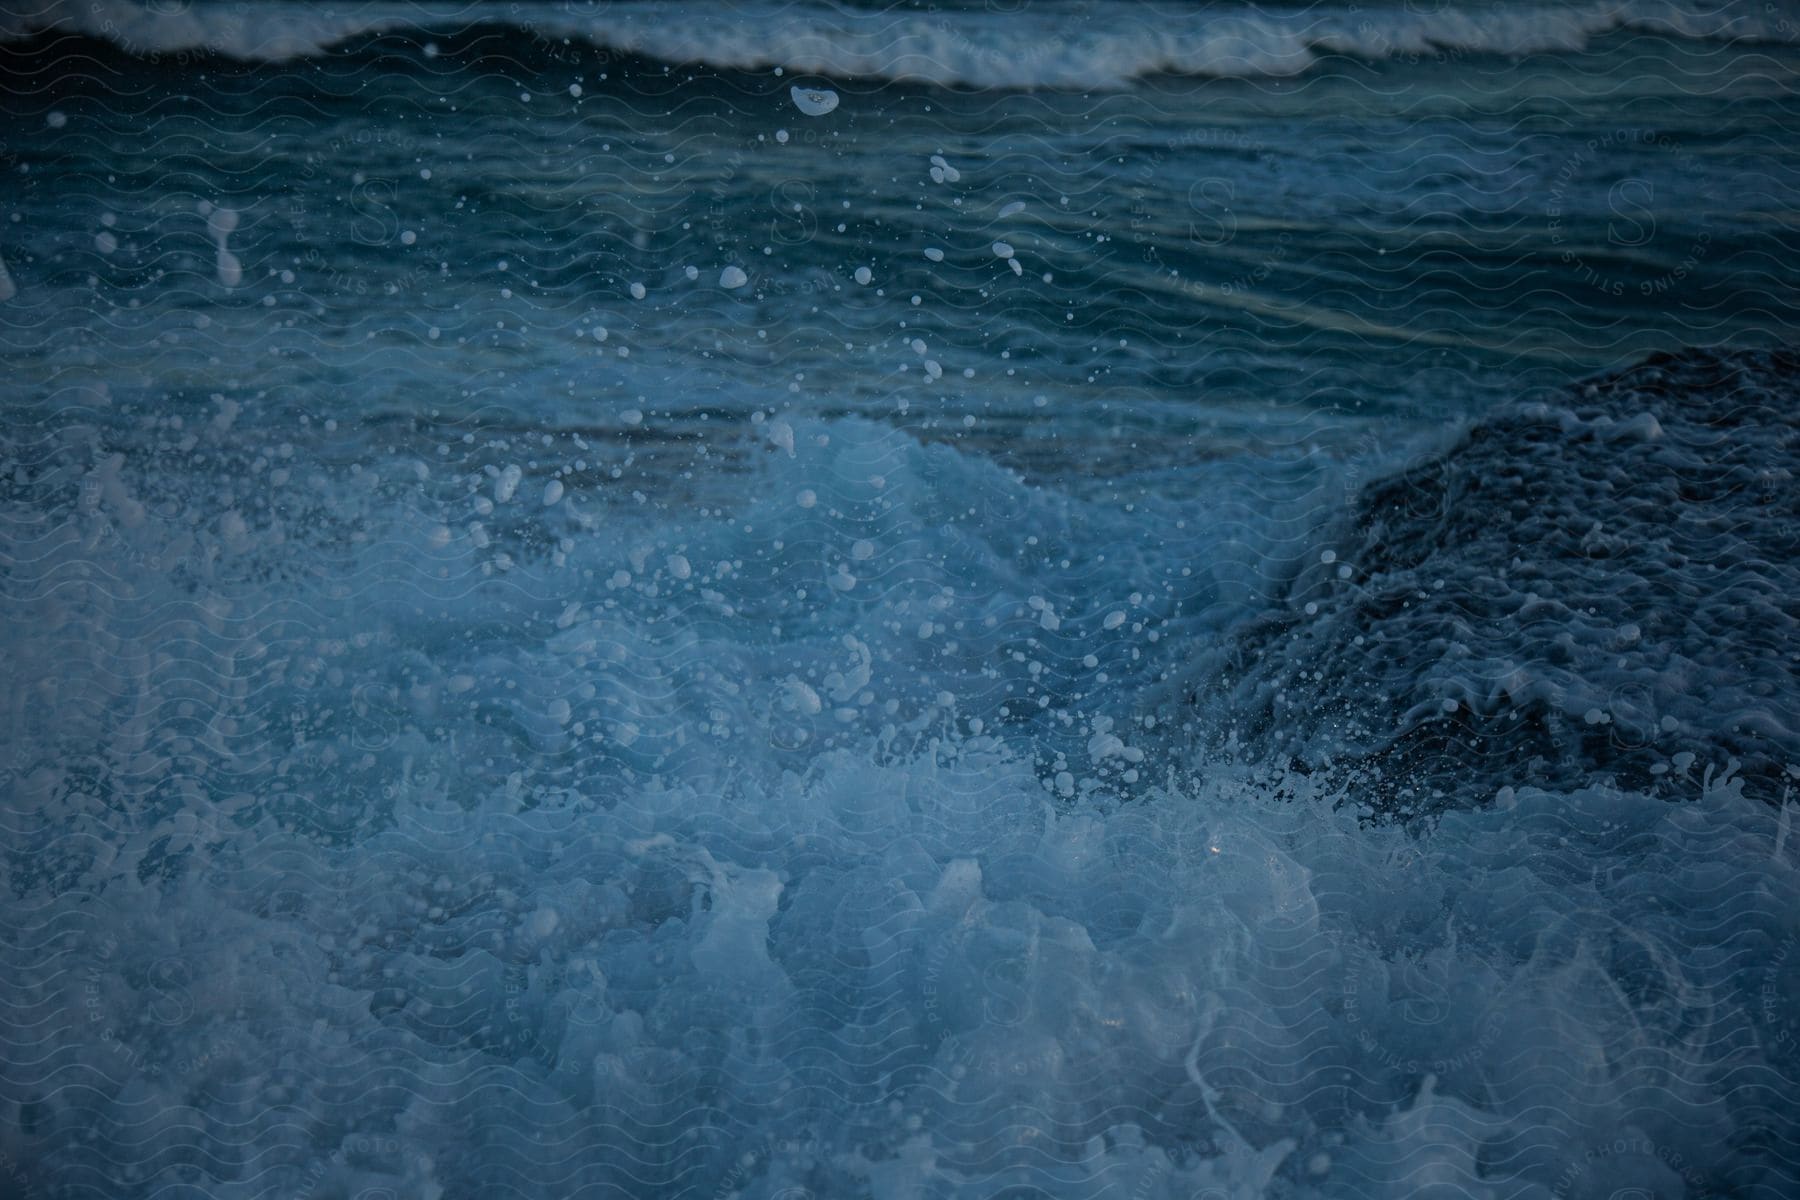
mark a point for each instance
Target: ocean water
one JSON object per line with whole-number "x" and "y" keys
{"x": 1153, "y": 600}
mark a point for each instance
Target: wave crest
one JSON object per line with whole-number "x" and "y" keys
{"x": 1075, "y": 45}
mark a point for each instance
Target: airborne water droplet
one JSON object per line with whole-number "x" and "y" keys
{"x": 814, "y": 102}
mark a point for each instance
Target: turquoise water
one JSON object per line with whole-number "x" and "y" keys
{"x": 637, "y": 600}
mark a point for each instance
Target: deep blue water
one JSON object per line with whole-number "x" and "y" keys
{"x": 899, "y": 601}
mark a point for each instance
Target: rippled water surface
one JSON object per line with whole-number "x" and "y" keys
{"x": 898, "y": 601}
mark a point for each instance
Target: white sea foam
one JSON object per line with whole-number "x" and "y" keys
{"x": 1061, "y": 45}
{"x": 814, "y": 833}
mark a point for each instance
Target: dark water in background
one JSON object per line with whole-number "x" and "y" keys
{"x": 575, "y": 628}
{"x": 1230, "y": 260}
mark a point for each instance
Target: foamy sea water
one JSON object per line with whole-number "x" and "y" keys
{"x": 985, "y": 600}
